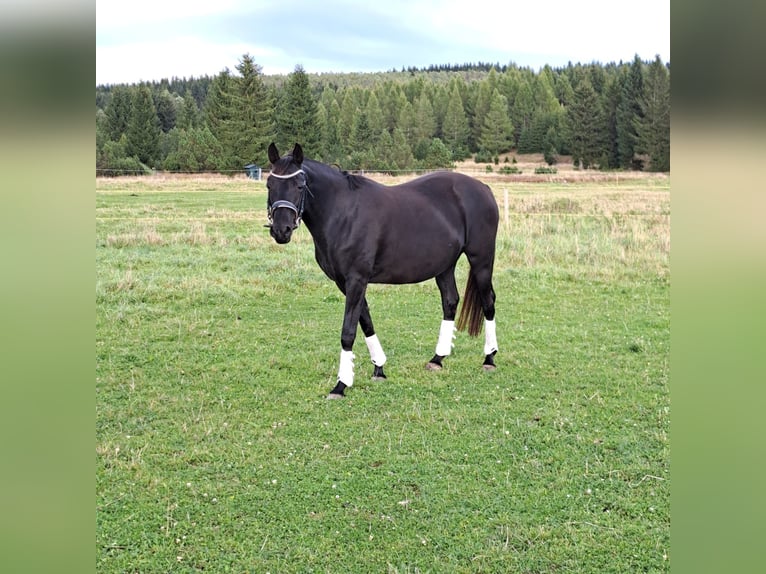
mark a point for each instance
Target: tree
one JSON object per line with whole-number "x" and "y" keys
{"x": 455, "y": 126}
{"x": 188, "y": 117}
{"x": 629, "y": 113}
{"x": 436, "y": 155}
{"x": 219, "y": 115}
{"x": 101, "y": 129}
{"x": 611, "y": 102}
{"x": 297, "y": 119}
{"x": 497, "y": 132}
{"x": 253, "y": 120}
{"x": 424, "y": 126}
{"x": 114, "y": 160}
{"x": 143, "y": 132}
{"x": 348, "y": 110}
{"x": 361, "y": 136}
{"x": 328, "y": 115}
{"x": 522, "y": 111}
{"x": 166, "y": 110}
{"x": 654, "y": 128}
{"x": 402, "y": 155}
{"x": 374, "y": 115}
{"x": 586, "y": 125}
{"x": 198, "y": 150}
{"x": 118, "y": 112}
{"x": 480, "y": 110}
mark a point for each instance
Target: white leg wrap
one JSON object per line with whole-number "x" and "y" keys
{"x": 376, "y": 351}
{"x": 346, "y": 369}
{"x": 446, "y": 336}
{"x": 490, "y": 337}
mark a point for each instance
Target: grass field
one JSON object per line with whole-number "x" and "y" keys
{"x": 216, "y": 450}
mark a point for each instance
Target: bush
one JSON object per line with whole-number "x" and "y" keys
{"x": 483, "y": 156}
{"x": 507, "y": 169}
{"x": 546, "y": 170}
{"x": 114, "y": 160}
{"x": 550, "y": 156}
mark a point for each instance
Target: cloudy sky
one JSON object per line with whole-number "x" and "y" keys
{"x": 151, "y": 39}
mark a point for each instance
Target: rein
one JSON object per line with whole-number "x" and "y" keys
{"x": 297, "y": 209}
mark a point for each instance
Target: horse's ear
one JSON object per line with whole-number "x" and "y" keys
{"x": 298, "y": 154}
{"x": 273, "y": 153}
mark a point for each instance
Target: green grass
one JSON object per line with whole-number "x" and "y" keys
{"x": 217, "y": 451}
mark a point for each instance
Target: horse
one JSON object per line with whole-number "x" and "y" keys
{"x": 366, "y": 232}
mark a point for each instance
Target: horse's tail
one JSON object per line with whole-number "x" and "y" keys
{"x": 471, "y": 312}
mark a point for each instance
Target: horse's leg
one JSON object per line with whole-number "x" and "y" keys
{"x": 450, "y": 298}
{"x": 354, "y": 290}
{"x": 377, "y": 355}
{"x": 483, "y": 278}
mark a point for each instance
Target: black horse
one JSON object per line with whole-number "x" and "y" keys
{"x": 365, "y": 232}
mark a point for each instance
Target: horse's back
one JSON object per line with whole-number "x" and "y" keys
{"x": 475, "y": 199}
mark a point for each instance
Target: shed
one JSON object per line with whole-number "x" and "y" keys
{"x": 253, "y": 171}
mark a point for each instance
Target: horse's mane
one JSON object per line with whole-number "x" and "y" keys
{"x": 353, "y": 180}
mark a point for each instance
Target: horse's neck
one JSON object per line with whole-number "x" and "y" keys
{"x": 321, "y": 201}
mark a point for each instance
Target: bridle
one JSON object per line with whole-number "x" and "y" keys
{"x": 297, "y": 209}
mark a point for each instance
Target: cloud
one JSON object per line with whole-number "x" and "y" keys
{"x": 144, "y": 38}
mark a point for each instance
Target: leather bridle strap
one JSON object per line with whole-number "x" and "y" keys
{"x": 298, "y": 210}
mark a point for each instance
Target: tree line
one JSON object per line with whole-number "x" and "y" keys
{"x": 613, "y": 116}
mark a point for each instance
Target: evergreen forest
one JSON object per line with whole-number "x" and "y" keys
{"x": 612, "y": 116}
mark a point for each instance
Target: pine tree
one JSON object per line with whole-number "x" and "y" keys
{"x": 522, "y": 110}
{"x": 424, "y": 127}
{"x": 118, "y": 112}
{"x": 197, "y": 150}
{"x": 455, "y": 126}
{"x": 406, "y": 123}
{"x": 610, "y": 103}
{"x": 332, "y": 150}
{"x": 629, "y": 113}
{"x": 219, "y": 116}
{"x": 166, "y": 110}
{"x": 403, "y": 157}
{"x": 143, "y": 132}
{"x": 297, "y": 120}
{"x": 361, "y": 135}
{"x": 348, "y": 110}
{"x": 654, "y": 127}
{"x": 374, "y": 115}
{"x": 189, "y": 116}
{"x": 497, "y": 132}
{"x": 586, "y": 125}
{"x": 480, "y": 111}
{"x": 253, "y": 120}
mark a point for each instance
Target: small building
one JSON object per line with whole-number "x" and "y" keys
{"x": 253, "y": 171}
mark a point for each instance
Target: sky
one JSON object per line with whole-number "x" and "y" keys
{"x": 144, "y": 40}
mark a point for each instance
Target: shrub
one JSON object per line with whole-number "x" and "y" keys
{"x": 483, "y": 156}
{"x": 546, "y": 170}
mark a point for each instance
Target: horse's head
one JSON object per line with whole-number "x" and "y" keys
{"x": 287, "y": 192}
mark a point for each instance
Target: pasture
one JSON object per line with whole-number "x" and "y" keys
{"x": 217, "y": 451}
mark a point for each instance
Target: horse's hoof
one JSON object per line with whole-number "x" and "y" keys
{"x": 489, "y": 367}
{"x": 378, "y": 374}
{"x": 333, "y": 396}
{"x": 433, "y": 367}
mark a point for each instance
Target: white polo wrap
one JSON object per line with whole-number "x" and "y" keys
{"x": 490, "y": 337}
{"x": 346, "y": 369}
{"x": 376, "y": 351}
{"x": 446, "y": 336}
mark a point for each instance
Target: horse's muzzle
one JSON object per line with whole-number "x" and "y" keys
{"x": 281, "y": 234}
